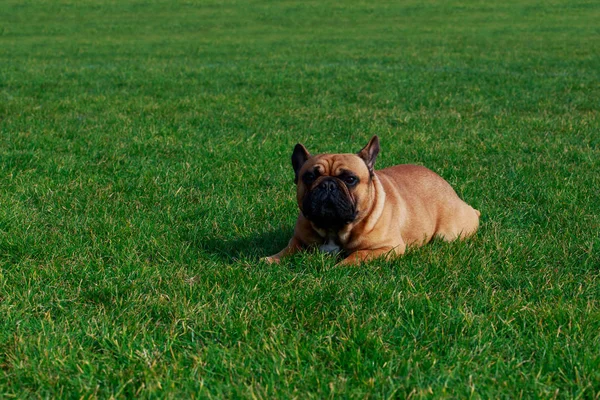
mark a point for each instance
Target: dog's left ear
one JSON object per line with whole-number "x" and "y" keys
{"x": 369, "y": 153}
{"x": 299, "y": 157}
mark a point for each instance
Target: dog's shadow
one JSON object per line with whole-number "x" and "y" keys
{"x": 250, "y": 248}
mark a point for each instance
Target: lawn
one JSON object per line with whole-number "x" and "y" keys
{"x": 145, "y": 169}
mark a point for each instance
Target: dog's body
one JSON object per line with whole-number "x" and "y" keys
{"x": 346, "y": 206}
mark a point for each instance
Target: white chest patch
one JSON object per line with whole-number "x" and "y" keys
{"x": 330, "y": 247}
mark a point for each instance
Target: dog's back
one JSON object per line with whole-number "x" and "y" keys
{"x": 432, "y": 206}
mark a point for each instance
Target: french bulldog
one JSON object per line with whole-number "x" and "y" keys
{"x": 349, "y": 208}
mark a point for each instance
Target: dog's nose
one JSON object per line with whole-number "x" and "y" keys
{"x": 328, "y": 185}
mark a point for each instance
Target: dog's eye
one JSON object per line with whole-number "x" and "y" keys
{"x": 309, "y": 178}
{"x": 350, "y": 180}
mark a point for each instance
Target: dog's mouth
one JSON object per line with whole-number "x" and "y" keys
{"x": 328, "y": 205}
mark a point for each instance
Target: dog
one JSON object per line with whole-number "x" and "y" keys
{"x": 349, "y": 208}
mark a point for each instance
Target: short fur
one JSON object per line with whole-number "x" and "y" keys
{"x": 381, "y": 213}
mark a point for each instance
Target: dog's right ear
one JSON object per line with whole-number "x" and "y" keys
{"x": 369, "y": 153}
{"x": 299, "y": 157}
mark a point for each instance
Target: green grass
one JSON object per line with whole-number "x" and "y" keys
{"x": 144, "y": 169}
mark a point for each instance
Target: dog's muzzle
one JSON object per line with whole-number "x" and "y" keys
{"x": 328, "y": 205}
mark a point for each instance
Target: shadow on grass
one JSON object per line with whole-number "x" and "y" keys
{"x": 247, "y": 248}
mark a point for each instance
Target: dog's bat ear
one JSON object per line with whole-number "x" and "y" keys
{"x": 369, "y": 153}
{"x": 299, "y": 157}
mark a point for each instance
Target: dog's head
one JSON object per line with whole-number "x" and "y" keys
{"x": 334, "y": 190}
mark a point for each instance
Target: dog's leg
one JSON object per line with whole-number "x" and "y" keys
{"x": 461, "y": 223}
{"x": 293, "y": 247}
{"x": 364, "y": 255}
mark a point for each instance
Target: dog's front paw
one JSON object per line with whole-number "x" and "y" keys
{"x": 270, "y": 260}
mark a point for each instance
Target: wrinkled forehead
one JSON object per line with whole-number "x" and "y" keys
{"x": 336, "y": 164}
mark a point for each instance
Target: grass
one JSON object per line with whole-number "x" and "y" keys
{"x": 144, "y": 169}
